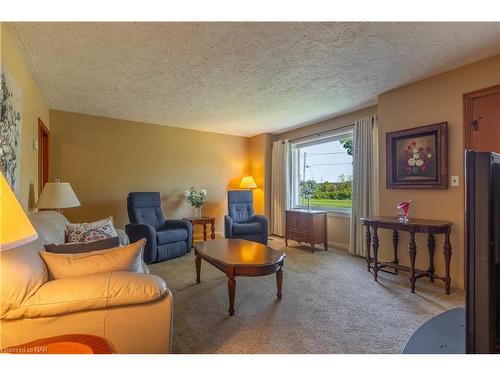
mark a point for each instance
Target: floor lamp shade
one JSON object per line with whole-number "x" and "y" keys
{"x": 57, "y": 195}
{"x": 15, "y": 227}
{"x": 248, "y": 182}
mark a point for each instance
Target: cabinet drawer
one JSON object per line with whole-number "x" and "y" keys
{"x": 298, "y": 236}
{"x": 292, "y": 221}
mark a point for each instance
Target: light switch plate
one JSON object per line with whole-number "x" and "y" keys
{"x": 454, "y": 181}
{"x": 35, "y": 144}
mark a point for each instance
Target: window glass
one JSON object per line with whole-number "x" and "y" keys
{"x": 322, "y": 171}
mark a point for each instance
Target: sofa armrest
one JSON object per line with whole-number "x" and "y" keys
{"x": 264, "y": 223}
{"x": 182, "y": 224}
{"x": 228, "y": 226}
{"x": 139, "y": 231}
{"x": 90, "y": 292}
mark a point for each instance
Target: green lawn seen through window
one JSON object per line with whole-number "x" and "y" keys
{"x": 330, "y": 203}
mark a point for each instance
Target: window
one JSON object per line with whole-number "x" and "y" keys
{"x": 324, "y": 166}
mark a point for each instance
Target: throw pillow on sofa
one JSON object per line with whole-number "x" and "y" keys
{"x": 126, "y": 258}
{"x": 88, "y": 232}
{"x": 85, "y": 247}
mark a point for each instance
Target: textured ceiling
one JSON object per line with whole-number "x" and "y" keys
{"x": 240, "y": 78}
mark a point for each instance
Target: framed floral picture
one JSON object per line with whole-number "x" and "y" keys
{"x": 417, "y": 158}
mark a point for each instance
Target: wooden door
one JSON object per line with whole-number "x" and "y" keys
{"x": 43, "y": 155}
{"x": 482, "y": 120}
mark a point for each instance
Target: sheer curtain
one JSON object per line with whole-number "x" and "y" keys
{"x": 365, "y": 180}
{"x": 280, "y": 199}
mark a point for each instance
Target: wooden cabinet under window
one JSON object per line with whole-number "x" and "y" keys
{"x": 306, "y": 226}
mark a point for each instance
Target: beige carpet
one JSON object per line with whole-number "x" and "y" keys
{"x": 330, "y": 305}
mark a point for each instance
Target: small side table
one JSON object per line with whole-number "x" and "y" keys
{"x": 65, "y": 344}
{"x": 204, "y": 220}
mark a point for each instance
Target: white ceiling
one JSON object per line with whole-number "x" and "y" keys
{"x": 240, "y": 78}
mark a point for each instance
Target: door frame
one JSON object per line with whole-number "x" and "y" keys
{"x": 42, "y": 131}
{"x": 467, "y": 104}
{"x": 467, "y": 97}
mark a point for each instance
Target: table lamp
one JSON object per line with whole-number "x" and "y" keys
{"x": 15, "y": 227}
{"x": 248, "y": 182}
{"x": 57, "y": 195}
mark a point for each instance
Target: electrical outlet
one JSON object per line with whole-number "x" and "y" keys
{"x": 454, "y": 181}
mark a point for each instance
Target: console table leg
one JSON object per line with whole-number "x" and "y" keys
{"x": 412, "y": 249}
{"x": 279, "y": 282}
{"x": 395, "y": 240}
{"x": 447, "y": 257}
{"x": 431, "y": 244}
{"x": 375, "y": 254}
{"x": 197, "y": 261}
{"x": 368, "y": 239}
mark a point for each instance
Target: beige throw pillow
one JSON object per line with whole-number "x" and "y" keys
{"x": 126, "y": 258}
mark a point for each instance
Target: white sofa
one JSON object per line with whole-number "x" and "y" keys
{"x": 132, "y": 310}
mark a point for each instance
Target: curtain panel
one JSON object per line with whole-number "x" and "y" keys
{"x": 365, "y": 188}
{"x": 280, "y": 200}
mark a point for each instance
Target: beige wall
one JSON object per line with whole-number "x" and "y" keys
{"x": 33, "y": 107}
{"x": 338, "y": 224}
{"x": 260, "y": 169}
{"x": 432, "y": 100}
{"x": 105, "y": 159}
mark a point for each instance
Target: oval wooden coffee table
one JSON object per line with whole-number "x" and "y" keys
{"x": 237, "y": 257}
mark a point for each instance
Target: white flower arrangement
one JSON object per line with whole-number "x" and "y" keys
{"x": 196, "y": 198}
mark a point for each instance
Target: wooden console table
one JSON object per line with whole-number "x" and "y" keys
{"x": 204, "y": 220}
{"x": 431, "y": 227}
{"x": 307, "y": 226}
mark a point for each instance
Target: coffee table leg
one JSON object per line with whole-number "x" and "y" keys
{"x": 279, "y": 282}
{"x": 231, "y": 287}
{"x": 204, "y": 232}
{"x": 212, "y": 230}
{"x": 198, "y": 268}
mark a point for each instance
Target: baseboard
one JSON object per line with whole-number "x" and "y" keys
{"x": 337, "y": 245}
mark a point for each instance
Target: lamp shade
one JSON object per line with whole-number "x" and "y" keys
{"x": 15, "y": 227}
{"x": 57, "y": 195}
{"x": 248, "y": 182}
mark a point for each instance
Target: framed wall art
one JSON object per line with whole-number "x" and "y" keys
{"x": 10, "y": 130}
{"x": 417, "y": 158}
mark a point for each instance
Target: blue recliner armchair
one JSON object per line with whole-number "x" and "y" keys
{"x": 241, "y": 221}
{"x": 166, "y": 239}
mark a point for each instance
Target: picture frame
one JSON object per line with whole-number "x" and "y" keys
{"x": 417, "y": 158}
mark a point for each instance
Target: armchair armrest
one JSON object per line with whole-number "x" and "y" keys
{"x": 122, "y": 236}
{"x": 91, "y": 292}
{"x": 138, "y": 231}
{"x": 228, "y": 226}
{"x": 182, "y": 224}
{"x": 263, "y": 221}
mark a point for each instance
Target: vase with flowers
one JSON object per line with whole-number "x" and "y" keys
{"x": 307, "y": 192}
{"x": 402, "y": 211}
{"x": 196, "y": 198}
